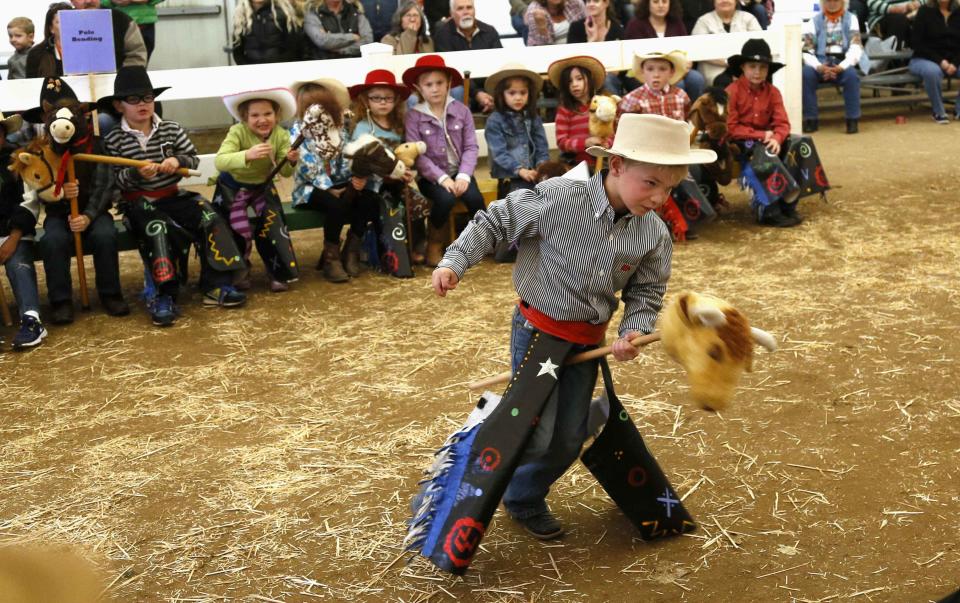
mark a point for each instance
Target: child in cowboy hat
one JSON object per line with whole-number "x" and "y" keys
{"x": 446, "y": 126}
{"x": 323, "y": 174}
{"x": 580, "y": 243}
{"x": 577, "y": 79}
{"x": 756, "y": 116}
{"x": 659, "y": 94}
{"x": 165, "y": 219}
{"x": 246, "y": 158}
{"x": 18, "y": 219}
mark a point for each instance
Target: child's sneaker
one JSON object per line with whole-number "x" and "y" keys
{"x": 278, "y": 286}
{"x": 31, "y": 333}
{"x": 941, "y": 119}
{"x": 163, "y": 311}
{"x": 225, "y": 297}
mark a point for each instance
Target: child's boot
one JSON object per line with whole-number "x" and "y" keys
{"x": 351, "y": 254}
{"x": 332, "y": 266}
{"x": 436, "y": 238}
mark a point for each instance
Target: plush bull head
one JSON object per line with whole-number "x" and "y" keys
{"x": 713, "y": 342}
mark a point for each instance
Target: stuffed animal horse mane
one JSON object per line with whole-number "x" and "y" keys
{"x": 708, "y": 116}
{"x": 714, "y": 342}
{"x": 37, "y": 165}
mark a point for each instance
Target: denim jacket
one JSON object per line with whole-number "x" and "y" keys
{"x": 421, "y": 124}
{"x": 514, "y": 141}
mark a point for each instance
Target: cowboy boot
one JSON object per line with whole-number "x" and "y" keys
{"x": 332, "y": 266}
{"x": 436, "y": 240}
{"x": 351, "y": 254}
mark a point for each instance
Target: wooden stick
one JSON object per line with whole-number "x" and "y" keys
{"x": 466, "y": 88}
{"x": 94, "y": 115}
{"x": 5, "y": 309}
{"x": 89, "y": 157}
{"x": 77, "y": 242}
{"x": 639, "y": 342}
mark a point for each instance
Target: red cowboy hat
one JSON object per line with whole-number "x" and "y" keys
{"x": 431, "y": 62}
{"x": 380, "y": 78}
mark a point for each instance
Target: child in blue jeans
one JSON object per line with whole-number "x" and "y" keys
{"x": 18, "y": 219}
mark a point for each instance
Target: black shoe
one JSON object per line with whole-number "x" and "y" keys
{"x": 810, "y": 126}
{"x": 62, "y": 312}
{"x": 31, "y": 333}
{"x": 853, "y": 126}
{"x": 115, "y": 305}
{"x": 543, "y": 526}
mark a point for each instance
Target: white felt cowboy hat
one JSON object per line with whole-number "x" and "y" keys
{"x": 677, "y": 58}
{"x": 514, "y": 70}
{"x": 336, "y": 88}
{"x": 654, "y": 139}
{"x": 10, "y": 124}
{"x": 286, "y": 104}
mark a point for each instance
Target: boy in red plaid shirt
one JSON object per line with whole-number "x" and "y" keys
{"x": 658, "y": 95}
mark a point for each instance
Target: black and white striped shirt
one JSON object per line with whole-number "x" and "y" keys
{"x": 167, "y": 139}
{"x": 574, "y": 254}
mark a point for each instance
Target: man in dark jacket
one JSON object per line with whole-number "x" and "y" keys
{"x": 336, "y": 30}
{"x": 380, "y": 14}
{"x": 462, "y": 31}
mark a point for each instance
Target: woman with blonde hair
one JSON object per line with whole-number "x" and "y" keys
{"x": 408, "y": 32}
{"x": 267, "y": 31}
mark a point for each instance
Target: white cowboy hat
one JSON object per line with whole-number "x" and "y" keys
{"x": 654, "y": 139}
{"x": 336, "y": 88}
{"x": 677, "y": 58}
{"x": 514, "y": 70}
{"x": 287, "y": 105}
{"x": 10, "y": 124}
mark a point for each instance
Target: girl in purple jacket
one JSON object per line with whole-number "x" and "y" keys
{"x": 446, "y": 126}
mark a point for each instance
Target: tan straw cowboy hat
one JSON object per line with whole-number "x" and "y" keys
{"x": 334, "y": 86}
{"x": 594, "y": 67}
{"x": 654, "y": 139}
{"x": 677, "y": 58}
{"x": 514, "y": 70}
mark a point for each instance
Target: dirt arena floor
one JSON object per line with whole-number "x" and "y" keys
{"x": 269, "y": 453}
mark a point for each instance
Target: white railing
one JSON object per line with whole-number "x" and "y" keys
{"x": 214, "y": 82}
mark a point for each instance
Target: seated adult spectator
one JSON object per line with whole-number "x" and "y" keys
{"x": 462, "y": 31}
{"x": 336, "y": 29}
{"x": 893, "y": 18}
{"x": 549, "y": 20}
{"x": 380, "y": 15}
{"x": 831, "y": 51}
{"x": 662, "y": 19}
{"x": 44, "y": 59}
{"x": 723, "y": 18}
{"x": 128, "y": 45}
{"x": 408, "y": 33}
{"x": 517, "y": 10}
{"x": 266, "y": 31}
{"x": 143, "y": 13}
{"x": 600, "y": 25}
{"x": 936, "y": 51}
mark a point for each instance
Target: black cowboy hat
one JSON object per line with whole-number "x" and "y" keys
{"x": 755, "y": 50}
{"x": 130, "y": 81}
{"x": 52, "y": 91}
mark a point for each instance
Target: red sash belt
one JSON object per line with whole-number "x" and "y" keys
{"x": 577, "y": 331}
{"x": 168, "y": 191}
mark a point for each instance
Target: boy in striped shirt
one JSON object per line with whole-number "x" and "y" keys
{"x": 580, "y": 242}
{"x": 165, "y": 219}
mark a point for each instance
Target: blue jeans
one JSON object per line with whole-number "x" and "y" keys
{"x": 932, "y": 76}
{"x": 848, "y": 80}
{"x": 23, "y": 278}
{"x": 693, "y": 84}
{"x": 567, "y": 409}
{"x": 56, "y": 245}
{"x": 444, "y": 201}
{"x": 760, "y": 12}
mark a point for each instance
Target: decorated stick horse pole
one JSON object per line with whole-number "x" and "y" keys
{"x": 639, "y": 342}
{"x": 77, "y": 241}
{"x": 137, "y": 163}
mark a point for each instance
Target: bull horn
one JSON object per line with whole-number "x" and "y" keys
{"x": 763, "y": 338}
{"x": 709, "y": 316}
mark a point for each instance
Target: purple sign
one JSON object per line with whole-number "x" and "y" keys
{"x": 87, "y": 40}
